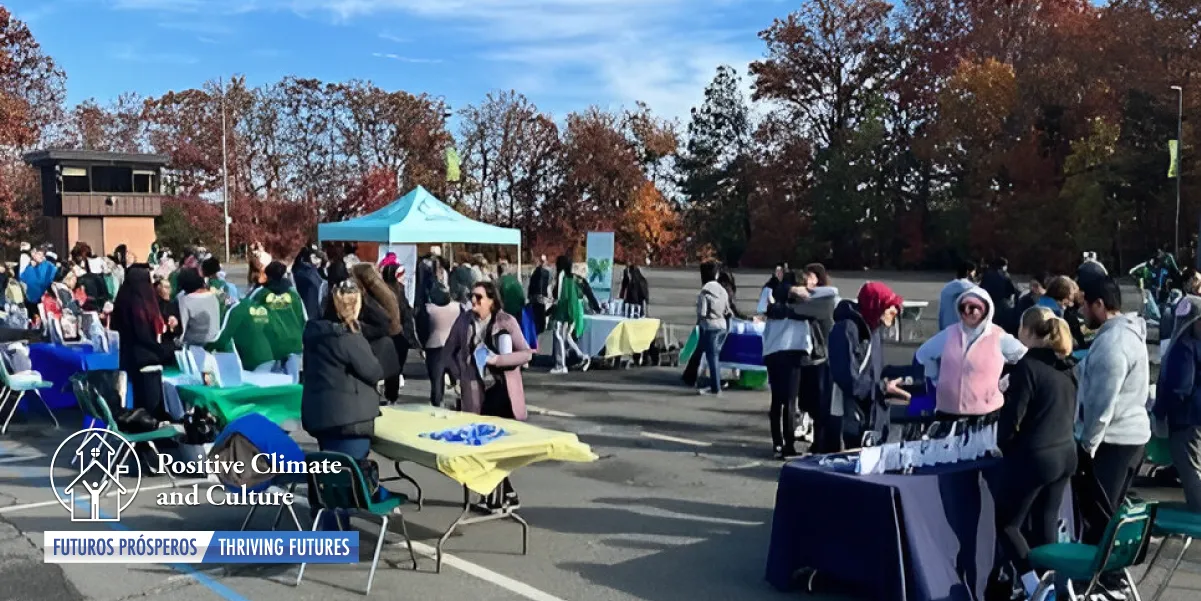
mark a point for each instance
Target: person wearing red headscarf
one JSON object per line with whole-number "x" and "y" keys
{"x": 855, "y": 413}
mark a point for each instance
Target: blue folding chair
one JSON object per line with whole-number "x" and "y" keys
{"x": 272, "y": 440}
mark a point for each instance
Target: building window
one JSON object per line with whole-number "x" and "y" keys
{"x": 112, "y": 179}
{"x": 75, "y": 179}
{"x": 145, "y": 182}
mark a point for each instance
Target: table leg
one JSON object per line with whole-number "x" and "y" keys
{"x": 463, "y": 520}
{"x": 401, "y": 475}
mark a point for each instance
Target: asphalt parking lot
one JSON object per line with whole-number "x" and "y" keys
{"x": 678, "y": 508}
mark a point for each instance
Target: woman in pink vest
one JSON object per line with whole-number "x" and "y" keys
{"x": 966, "y": 359}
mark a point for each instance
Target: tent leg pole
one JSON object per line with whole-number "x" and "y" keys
{"x": 519, "y": 272}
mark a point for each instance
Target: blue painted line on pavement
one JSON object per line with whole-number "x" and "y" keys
{"x": 220, "y": 589}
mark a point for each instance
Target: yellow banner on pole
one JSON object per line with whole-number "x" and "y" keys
{"x": 1174, "y": 151}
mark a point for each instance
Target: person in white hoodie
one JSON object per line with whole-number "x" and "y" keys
{"x": 967, "y": 357}
{"x": 1112, "y": 424}
{"x": 712, "y": 312}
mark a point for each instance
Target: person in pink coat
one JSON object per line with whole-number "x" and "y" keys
{"x": 498, "y": 390}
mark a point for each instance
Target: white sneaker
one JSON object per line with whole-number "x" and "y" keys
{"x": 402, "y": 381}
{"x": 557, "y": 371}
{"x": 586, "y": 364}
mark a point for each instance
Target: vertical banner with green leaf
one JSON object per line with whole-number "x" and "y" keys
{"x": 1174, "y": 152}
{"x": 600, "y": 264}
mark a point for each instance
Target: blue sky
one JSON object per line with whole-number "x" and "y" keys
{"x": 563, "y": 54}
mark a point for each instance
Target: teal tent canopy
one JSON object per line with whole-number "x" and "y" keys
{"x": 416, "y": 218}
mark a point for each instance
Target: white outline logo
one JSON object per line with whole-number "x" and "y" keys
{"x": 102, "y": 457}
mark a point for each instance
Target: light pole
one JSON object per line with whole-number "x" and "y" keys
{"x": 1180, "y": 151}
{"x": 224, "y": 171}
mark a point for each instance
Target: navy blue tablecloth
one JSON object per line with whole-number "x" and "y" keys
{"x": 58, "y": 363}
{"x": 929, "y": 536}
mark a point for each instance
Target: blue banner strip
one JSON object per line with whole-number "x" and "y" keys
{"x": 283, "y": 547}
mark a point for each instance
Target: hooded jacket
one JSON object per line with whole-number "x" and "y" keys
{"x": 308, "y": 285}
{"x": 1177, "y": 394}
{"x": 801, "y": 325}
{"x": 340, "y": 374}
{"x": 1040, "y": 404}
{"x": 857, "y": 396}
{"x": 967, "y": 362}
{"x": 712, "y": 307}
{"x": 1114, "y": 386}
{"x": 948, "y": 312}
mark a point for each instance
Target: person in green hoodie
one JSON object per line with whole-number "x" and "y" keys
{"x": 567, "y": 317}
{"x": 268, "y": 326}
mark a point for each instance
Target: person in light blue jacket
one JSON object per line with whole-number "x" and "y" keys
{"x": 948, "y": 311}
{"x": 37, "y": 277}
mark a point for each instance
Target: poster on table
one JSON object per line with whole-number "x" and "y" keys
{"x": 407, "y": 255}
{"x": 600, "y": 264}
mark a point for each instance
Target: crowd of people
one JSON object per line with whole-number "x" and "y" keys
{"x": 1064, "y": 372}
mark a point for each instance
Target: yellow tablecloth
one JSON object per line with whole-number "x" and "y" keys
{"x": 617, "y": 336}
{"x": 398, "y": 437}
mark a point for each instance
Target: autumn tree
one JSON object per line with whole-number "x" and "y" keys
{"x": 508, "y": 149}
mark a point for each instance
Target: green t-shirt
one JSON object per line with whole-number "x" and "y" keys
{"x": 265, "y": 327}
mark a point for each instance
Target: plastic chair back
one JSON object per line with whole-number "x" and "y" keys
{"x": 90, "y": 401}
{"x": 1126, "y": 538}
{"x": 342, "y": 488}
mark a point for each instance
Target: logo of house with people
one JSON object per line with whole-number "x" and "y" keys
{"x": 95, "y": 475}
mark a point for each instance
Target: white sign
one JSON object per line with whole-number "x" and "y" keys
{"x": 406, "y": 254}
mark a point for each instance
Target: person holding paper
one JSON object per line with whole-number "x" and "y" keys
{"x": 494, "y": 388}
{"x": 1035, "y": 435}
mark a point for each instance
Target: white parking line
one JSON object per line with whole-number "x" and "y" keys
{"x": 547, "y": 412}
{"x": 667, "y": 438}
{"x": 472, "y": 569}
{"x": 20, "y": 458}
{"x": 24, "y": 506}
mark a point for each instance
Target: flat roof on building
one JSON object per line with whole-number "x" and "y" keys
{"x": 41, "y": 158}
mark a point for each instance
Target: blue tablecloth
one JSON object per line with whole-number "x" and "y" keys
{"x": 920, "y": 537}
{"x": 744, "y": 349}
{"x": 58, "y": 363}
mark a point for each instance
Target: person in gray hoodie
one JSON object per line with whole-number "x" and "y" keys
{"x": 712, "y": 311}
{"x": 1112, "y": 424}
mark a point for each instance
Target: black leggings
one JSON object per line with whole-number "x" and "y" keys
{"x": 392, "y": 385}
{"x": 435, "y": 364}
{"x": 1114, "y": 467}
{"x": 1031, "y": 491}
{"x": 784, "y": 377}
{"x": 147, "y": 388}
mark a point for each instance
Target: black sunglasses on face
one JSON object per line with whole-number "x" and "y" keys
{"x": 478, "y": 297}
{"x": 970, "y": 309}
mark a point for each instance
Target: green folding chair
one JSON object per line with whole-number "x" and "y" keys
{"x": 14, "y": 387}
{"x": 96, "y": 407}
{"x": 346, "y": 490}
{"x": 1123, "y": 545}
{"x": 1173, "y": 522}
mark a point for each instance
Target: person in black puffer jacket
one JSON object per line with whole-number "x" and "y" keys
{"x": 339, "y": 403}
{"x": 1035, "y": 435}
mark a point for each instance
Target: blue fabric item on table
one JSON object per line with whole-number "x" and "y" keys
{"x": 929, "y": 536}
{"x": 528, "y": 329}
{"x": 475, "y": 435}
{"x": 58, "y": 363}
{"x": 746, "y": 349}
{"x": 268, "y": 438}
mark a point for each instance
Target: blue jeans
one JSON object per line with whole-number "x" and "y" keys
{"x": 709, "y": 345}
{"x": 357, "y": 447}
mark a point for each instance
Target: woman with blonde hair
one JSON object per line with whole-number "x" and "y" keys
{"x": 379, "y": 318}
{"x": 1035, "y": 435}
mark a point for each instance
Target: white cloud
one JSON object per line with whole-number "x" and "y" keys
{"x": 405, "y": 59}
{"x": 662, "y": 52}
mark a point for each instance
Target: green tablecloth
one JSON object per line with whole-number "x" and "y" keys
{"x": 277, "y": 403}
